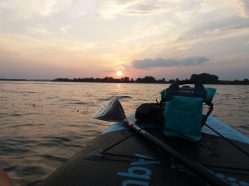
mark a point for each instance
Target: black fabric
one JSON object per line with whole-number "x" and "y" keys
{"x": 92, "y": 167}
{"x": 149, "y": 113}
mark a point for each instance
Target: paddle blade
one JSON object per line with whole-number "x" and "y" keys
{"x": 111, "y": 111}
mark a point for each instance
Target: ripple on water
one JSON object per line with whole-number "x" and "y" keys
{"x": 58, "y": 138}
{"x": 3, "y": 98}
{"x": 119, "y": 97}
{"x": 54, "y": 158}
{"x": 244, "y": 127}
{"x": 19, "y": 91}
{"x": 29, "y": 92}
{"x": 6, "y": 149}
{"x": 17, "y": 114}
{"x": 22, "y": 125}
{"x": 16, "y": 147}
{"x": 17, "y": 141}
{"x": 27, "y": 170}
{"x": 78, "y": 103}
{"x": 14, "y": 114}
{"x": 55, "y": 141}
{"x": 67, "y": 100}
{"x": 104, "y": 99}
{"x": 6, "y": 165}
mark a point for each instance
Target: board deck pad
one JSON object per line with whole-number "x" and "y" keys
{"x": 124, "y": 158}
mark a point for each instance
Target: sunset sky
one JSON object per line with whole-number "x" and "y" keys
{"x": 46, "y": 39}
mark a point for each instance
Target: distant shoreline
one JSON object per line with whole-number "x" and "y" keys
{"x": 220, "y": 82}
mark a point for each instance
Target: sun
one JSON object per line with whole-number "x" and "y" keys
{"x": 119, "y": 73}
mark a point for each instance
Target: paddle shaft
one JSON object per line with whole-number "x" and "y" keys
{"x": 198, "y": 169}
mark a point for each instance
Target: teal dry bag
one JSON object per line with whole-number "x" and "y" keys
{"x": 183, "y": 109}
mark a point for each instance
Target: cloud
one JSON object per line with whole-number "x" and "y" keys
{"x": 39, "y": 30}
{"x": 243, "y": 6}
{"x": 49, "y": 8}
{"x": 160, "y": 62}
{"x": 177, "y": 40}
{"x": 108, "y": 9}
{"x": 145, "y": 9}
{"x": 183, "y": 11}
{"x": 29, "y": 8}
{"x": 188, "y": 24}
{"x": 65, "y": 29}
{"x": 111, "y": 8}
{"x": 219, "y": 29}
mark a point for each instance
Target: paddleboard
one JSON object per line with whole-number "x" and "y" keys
{"x": 119, "y": 156}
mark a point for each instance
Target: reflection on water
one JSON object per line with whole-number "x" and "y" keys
{"x": 43, "y": 123}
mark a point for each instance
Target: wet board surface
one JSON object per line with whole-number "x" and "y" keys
{"x": 122, "y": 157}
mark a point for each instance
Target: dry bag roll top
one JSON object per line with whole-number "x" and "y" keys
{"x": 183, "y": 109}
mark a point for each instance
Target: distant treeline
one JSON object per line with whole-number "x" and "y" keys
{"x": 203, "y": 77}
{"x": 5, "y": 79}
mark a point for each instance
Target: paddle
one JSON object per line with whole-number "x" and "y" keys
{"x": 114, "y": 112}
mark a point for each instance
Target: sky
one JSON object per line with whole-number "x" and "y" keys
{"x": 47, "y": 39}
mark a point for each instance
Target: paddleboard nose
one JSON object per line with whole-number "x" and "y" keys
{"x": 111, "y": 111}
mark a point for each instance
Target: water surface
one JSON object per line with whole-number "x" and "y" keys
{"x": 43, "y": 123}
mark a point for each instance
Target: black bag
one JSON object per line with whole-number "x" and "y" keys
{"x": 149, "y": 113}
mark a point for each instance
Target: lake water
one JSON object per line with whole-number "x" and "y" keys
{"x": 43, "y": 123}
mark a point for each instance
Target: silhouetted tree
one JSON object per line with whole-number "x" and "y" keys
{"x": 125, "y": 80}
{"x": 138, "y": 80}
{"x": 146, "y": 79}
{"x": 171, "y": 81}
{"x": 205, "y": 78}
{"x": 161, "y": 80}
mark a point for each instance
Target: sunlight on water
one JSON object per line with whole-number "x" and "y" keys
{"x": 43, "y": 123}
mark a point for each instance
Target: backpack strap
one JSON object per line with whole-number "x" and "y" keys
{"x": 210, "y": 109}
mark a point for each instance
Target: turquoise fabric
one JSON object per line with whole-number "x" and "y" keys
{"x": 210, "y": 93}
{"x": 163, "y": 95}
{"x": 183, "y": 115}
{"x": 183, "y": 120}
